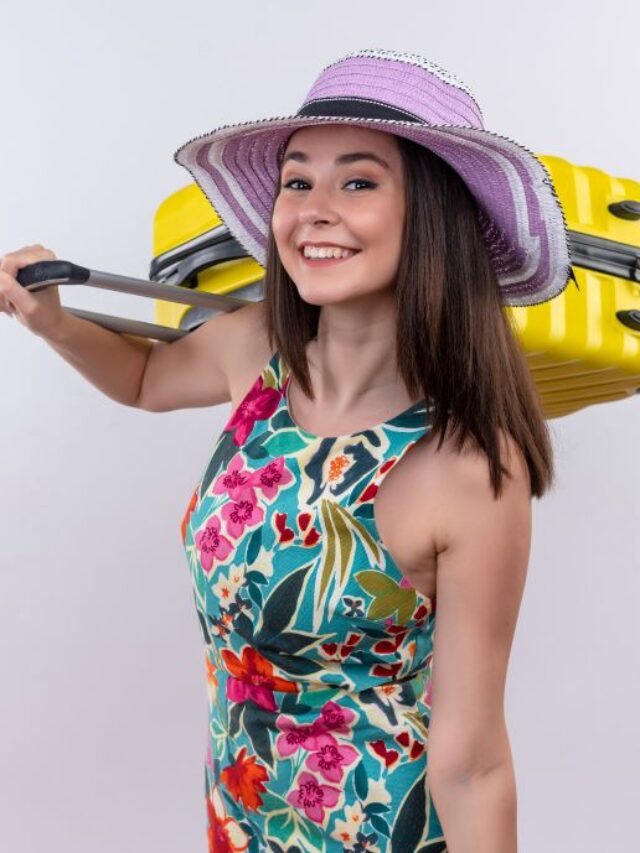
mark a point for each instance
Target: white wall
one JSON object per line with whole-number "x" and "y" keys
{"x": 103, "y": 702}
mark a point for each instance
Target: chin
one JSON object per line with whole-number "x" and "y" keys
{"x": 334, "y": 295}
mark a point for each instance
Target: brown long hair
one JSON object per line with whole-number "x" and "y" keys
{"x": 455, "y": 344}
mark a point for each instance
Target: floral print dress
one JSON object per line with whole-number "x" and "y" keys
{"x": 318, "y": 652}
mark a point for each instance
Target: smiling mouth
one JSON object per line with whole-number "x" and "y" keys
{"x": 316, "y": 262}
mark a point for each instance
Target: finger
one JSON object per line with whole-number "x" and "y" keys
{"x": 42, "y": 250}
{"x": 14, "y": 261}
{"x": 7, "y": 281}
{"x": 7, "y": 307}
{"x": 8, "y": 291}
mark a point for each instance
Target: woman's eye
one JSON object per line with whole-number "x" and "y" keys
{"x": 362, "y": 181}
{"x": 353, "y": 181}
{"x": 292, "y": 181}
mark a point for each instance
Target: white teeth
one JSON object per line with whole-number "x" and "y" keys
{"x": 327, "y": 252}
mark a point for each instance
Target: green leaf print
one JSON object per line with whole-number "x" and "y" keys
{"x": 346, "y": 542}
{"x": 254, "y": 576}
{"x": 273, "y": 803}
{"x": 254, "y": 843}
{"x": 292, "y": 642}
{"x": 366, "y": 538}
{"x": 290, "y": 705}
{"x": 199, "y": 580}
{"x": 281, "y": 605}
{"x": 410, "y": 821}
{"x": 361, "y": 782}
{"x": 203, "y": 626}
{"x": 234, "y": 719}
{"x": 269, "y": 378}
{"x": 341, "y": 533}
{"x": 280, "y": 421}
{"x": 290, "y": 664}
{"x": 257, "y": 724}
{"x": 326, "y": 573}
{"x": 380, "y": 824}
{"x": 257, "y": 449}
{"x": 364, "y": 510}
{"x": 281, "y": 826}
{"x": 253, "y": 548}
{"x": 244, "y": 627}
{"x": 313, "y": 835}
{"x": 224, "y": 452}
{"x": 316, "y": 698}
{"x": 219, "y": 738}
{"x": 254, "y": 594}
{"x": 388, "y": 596}
{"x": 285, "y": 442}
{"x": 376, "y": 808}
{"x": 415, "y": 718}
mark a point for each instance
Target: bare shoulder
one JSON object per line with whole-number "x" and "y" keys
{"x": 209, "y": 366}
{"x": 250, "y": 349}
{"x": 458, "y": 486}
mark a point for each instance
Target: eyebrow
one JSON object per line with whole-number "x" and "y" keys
{"x": 352, "y": 157}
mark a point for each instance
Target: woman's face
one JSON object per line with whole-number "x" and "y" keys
{"x": 355, "y": 202}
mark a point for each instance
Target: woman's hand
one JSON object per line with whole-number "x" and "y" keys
{"x": 40, "y": 312}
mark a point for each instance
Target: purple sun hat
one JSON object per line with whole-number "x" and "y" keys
{"x": 237, "y": 166}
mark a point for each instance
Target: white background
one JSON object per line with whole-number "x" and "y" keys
{"x": 102, "y": 688}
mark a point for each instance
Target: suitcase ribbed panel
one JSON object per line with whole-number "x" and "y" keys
{"x": 579, "y": 352}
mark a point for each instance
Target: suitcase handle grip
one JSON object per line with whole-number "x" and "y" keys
{"x": 45, "y": 270}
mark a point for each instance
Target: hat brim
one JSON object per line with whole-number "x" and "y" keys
{"x": 237, "y": 168}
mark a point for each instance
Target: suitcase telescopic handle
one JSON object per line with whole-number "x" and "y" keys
{"x": 42, "y": 274}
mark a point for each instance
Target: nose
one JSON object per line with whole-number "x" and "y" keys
{"x": 318, "y": 207}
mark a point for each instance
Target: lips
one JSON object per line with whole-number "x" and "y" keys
{"x": 354, "y": 252}
{"x": 326, "y": 262}
{"x": 301, "y": 246}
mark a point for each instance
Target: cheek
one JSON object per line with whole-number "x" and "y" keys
{"x": 386, "y": 239}
{"x": 393, "y": 236}
{"x": 282, "y": 224}
{"x": 385, "y": 245}
{"x": 382, "y": 220}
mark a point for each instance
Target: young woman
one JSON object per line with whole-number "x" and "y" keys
{"x": 385, "y": 442}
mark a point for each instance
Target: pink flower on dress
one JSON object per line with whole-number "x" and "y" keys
{"x": 212, "y": 544}
{"x": 295, "y": 737}
{"x": 272, "y": 477}
{"x": 336, "y": 719}
{"x": 258, "y": 405}
{"x": 234, "y": 480}
{"x": 252, "y": 677}
{"x": 313, "y": 797}
{"x": 330, "y": 760}
{"x": 241, "y": 513}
